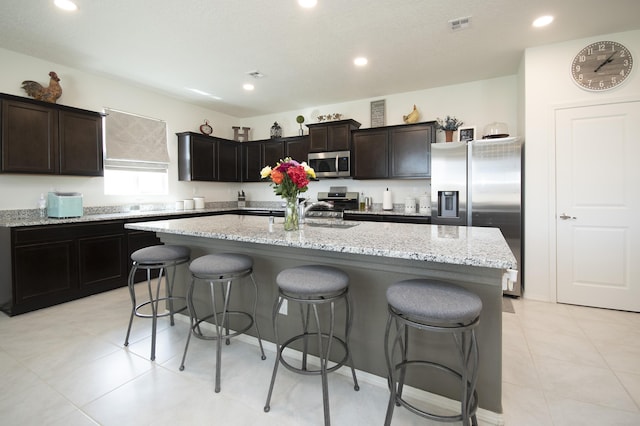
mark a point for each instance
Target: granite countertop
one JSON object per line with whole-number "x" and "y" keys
{"x": 462, "y": 245}
{"x": 30, "y": 220}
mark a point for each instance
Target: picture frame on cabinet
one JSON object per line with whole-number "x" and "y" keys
{"x": 466, "y": 134}
{"x": 378, "y": 113}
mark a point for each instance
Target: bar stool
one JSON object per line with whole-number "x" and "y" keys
{"x": 440, "y": 307}
{"x": 312, "y": 286}
{"x": 158, "y": 257}
{"x": 221, "y": 269}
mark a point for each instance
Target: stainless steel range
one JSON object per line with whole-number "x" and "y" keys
{"x": 332, "y": 204}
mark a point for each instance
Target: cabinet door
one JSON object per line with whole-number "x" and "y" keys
{"x": 45, "y": 273}
{"x": 370, "y": 154}
{"x": 228, "y": 160}
{"x": 410, "y": 151}
{"x": 318, "y": 138}
{"x": 80, "y": 144}
{"x": 297, "y": 148}
{"x": 339, "y": 137}
{"x": 251, "y": 161}
{"x": 272, "y": 152}
{"x": 101, "y": 261}
{"x": 197, "y": 157}
{"x": 29, "y": 138}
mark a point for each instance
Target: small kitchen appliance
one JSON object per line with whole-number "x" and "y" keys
{"x": 64, "y": 204}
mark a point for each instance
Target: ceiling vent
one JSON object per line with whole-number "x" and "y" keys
{"x": 255, "y": 74}
{"x": 460, "y": 23}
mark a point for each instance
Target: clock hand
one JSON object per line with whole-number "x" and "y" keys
{"x": 609, "y": 59}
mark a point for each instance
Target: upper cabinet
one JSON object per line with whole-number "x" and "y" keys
{"x": 394, "y": 152}
{"x": 197, "y": 157}
{"x": 257, "y": 154}
{"x": 43, "y": 138}
{"x": 410, "y": 150}
{"x": 331, "y": 135}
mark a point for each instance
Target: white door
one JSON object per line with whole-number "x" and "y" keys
{"x": 598, "y": 205}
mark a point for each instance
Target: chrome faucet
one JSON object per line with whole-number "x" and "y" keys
{"x": 304, "y": 208}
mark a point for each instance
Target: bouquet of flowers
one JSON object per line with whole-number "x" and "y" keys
{"x": 288, "y": 179}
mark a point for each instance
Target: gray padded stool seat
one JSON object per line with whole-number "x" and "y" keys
{"x": 158, "y": 257}
{"x": 221, "y": 269}
{"x": 311, "y": 286}
{"x": 433, "y": 306}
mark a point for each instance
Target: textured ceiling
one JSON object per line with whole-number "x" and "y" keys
{"x": 305, "y": 55}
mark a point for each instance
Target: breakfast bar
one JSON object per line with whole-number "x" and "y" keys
{"x": 374, "y": 255}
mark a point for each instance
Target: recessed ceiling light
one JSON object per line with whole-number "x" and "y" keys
{"x": 361, "y": 61}
{"x": 543, "y": 21}
{"x": 248, "y": 86}
{"x": 308, "y": 3}
{"x": 65, "y": 4}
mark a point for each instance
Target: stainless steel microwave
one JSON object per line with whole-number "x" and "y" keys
{"x": 331, "y": 164}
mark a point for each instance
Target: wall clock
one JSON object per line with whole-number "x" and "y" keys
{"x": 602, "y": 65}
{"x": 206, "y": 129}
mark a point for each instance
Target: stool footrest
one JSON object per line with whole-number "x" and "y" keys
{"x": 159, "y": 315}
{"x": 197, "y": 332}
{"x": 313, "y": 336}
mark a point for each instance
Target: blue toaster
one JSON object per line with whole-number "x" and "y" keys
{"x": 64, "y": 204}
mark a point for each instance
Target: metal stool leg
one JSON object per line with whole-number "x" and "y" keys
{"x": 276, "y": 309}
{"x": 132, "y": 293}
{"x": 255, "y": 321}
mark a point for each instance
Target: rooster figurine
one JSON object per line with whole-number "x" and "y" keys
{"x": 412, "y": 117}
{"x": 47, "y": 94}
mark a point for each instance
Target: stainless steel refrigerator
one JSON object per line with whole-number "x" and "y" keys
{"x": 479, "y": 183}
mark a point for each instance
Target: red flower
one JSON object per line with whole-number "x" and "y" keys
{"x": 298, "y": 176}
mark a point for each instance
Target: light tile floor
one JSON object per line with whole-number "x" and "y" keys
{"x": 65, "y": 365}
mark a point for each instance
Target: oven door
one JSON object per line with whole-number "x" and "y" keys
{"x": 331, "y": 164}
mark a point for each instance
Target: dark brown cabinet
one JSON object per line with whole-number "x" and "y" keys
{"x": 370, "y": 149}
{"x": 410, "y": 151}
{"x": 331, "y": 135}
{"x": 272, "y": 152}
{"x": 228, "y": 161}
{"x": 297, "y": 148}
{"x": 57, "y": 263}
{"x": 42, "y": 138}
{"x": 251, "y": 161}
{"x": 394, "y": 152}
{"x": 197, "y": 157}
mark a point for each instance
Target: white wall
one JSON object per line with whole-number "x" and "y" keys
{"x": 94, "y": 92}
{"x": 548, "y": 86}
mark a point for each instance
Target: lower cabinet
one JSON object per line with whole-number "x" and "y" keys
{"x": 57, "y": 263}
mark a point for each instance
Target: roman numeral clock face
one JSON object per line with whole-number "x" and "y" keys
{"x": 601, "y": 66}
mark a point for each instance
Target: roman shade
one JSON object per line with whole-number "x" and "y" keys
{"x": 134, "y": 142}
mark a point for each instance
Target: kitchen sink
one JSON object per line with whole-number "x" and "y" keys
{"x": 332, "y": 224}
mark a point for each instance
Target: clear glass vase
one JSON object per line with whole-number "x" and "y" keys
{"x": 291, "y": 218}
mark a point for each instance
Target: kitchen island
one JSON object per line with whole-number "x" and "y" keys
{"x": 375, "y": 255}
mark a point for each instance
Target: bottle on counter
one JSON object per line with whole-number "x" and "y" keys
{"x": 42, "y": 206}
{"x": 362, "y": 201}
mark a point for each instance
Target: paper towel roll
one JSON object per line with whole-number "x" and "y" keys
{"x": 387, "y": 204}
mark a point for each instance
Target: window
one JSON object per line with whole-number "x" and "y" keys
{"x": 136, "y": 156}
